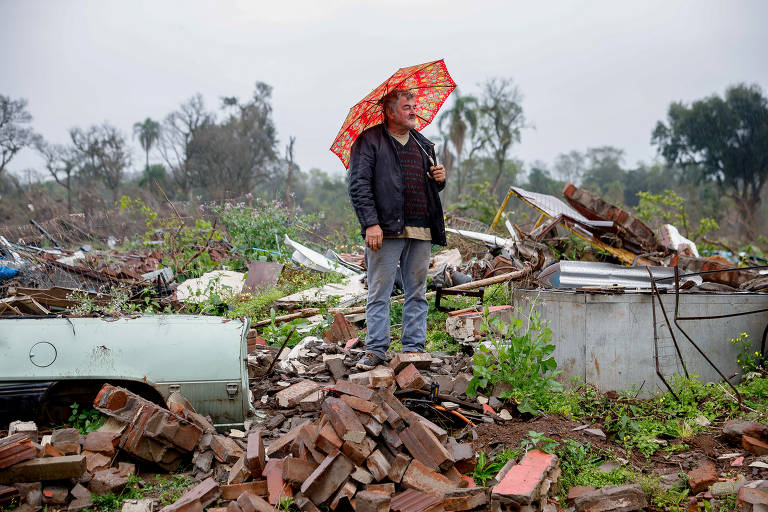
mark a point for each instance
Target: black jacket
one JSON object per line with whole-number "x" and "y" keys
{"x": 376, "y": 184}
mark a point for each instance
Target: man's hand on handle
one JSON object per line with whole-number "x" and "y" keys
{"x": 438, "y": 173}
{"x": 374, "y": 236}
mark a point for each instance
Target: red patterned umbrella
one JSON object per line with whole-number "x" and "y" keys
{"x": 431, "y": 85}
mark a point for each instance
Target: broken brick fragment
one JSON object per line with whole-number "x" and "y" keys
{"x": 420, "y": 477}
{"x": 410, "y": 378}
{"x": 295, "y": 471}
{"x": 255, "y": 453}
{"x": 612, "y": 497}
{"x": 277, "y": 488}
{"x": 421, "y": 360}
{"x": 754, "y": 445}
{"x": 702, "y": 477}
{"x": 527, "y": 482}
{"x": 465, "y": 499}
{"x": 327, "y": 478}
{"x": 370, "y": 501}
{"x": 292, "y": 395}
{"x": 344, "y": 420}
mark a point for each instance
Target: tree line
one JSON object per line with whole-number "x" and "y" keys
{"x": 714, "y": 154}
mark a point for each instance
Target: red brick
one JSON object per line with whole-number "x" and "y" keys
{"x": 277, "y": 489}
{"x": 96, "y": 461}
{"x": 361, "y": 475}
{"x": 295, "y": 470}
{"x": 378, "y": 465}
{"x": 465, "y": 499}
{"x": 702, "y": 477}
{"x": 431, "y": 444}
{"x": 346, "y": 492}
{"x": 255, "y": 453}
{"x": 398, "y": 466}
{"x": 239, "y": 472}
{"x": 402, "y": 414}
{"x": 280, "y": 446}
{"x": 249, "y": 502}
{"x": 312, "y": 401}
{"x": 371, "y": 426}
{"x": 420, "y": 477}
{"x": 381, "y": 377}
{"x": 369, "y": 501}
{"x": 340, "y": 330}
{"x": 102, "y": 442}
{"x": 366, "y": 406}
{"x": 292, "y": 395}
{"x": 226, "y": 449}
{"x": 328, "y": 477}
{"x": 391, "y": 439}
{"x": 344, "y": 420}
{"x": 522, "y": 483}
{"x": 750, "y": 500}
{"x": 51, "y": 451}
{"x": 231, "y": 492}
{"x": 358, "y": 452}
{"x": 305, "y": 505}
{"x": 232, "y": 506}
{"x": 421, "y": 360}
{"x": 410, "y": 378}
{"x": 440, "y": 433}
{"x": 327, "y": 440}
{"x": 16, "y": 448}
{"x": 349, "y": 388}
{"x": 388, "y": 488}
{"x": 754, "y": 446}
{"x": 67, "y": 440}
{"x": 453, "y": 475}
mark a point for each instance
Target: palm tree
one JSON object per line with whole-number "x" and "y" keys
{"x": 461, "y": 119}
{"x": 148, "y": 133}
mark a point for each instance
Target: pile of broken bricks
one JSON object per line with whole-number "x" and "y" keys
{"x": 361, "y": 448}
{"x": 751, "y": 495}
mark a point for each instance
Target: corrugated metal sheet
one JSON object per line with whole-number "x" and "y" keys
{"x": 581, "y": 274}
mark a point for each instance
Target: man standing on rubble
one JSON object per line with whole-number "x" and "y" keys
{"x": 394, "y": 187}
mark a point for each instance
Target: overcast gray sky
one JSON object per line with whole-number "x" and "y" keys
{"x": 591, "y": 73}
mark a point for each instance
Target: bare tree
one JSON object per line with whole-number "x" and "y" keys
{"x": 500, "y": 123}
{"x": 104, "y": 154}
{"x": 14, "y": 134}
{"x": 176, "y": 134}
{"x": 61, "y": 163}
{"x": 570, "y": 166}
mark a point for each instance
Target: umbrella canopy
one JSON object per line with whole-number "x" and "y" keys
{"x": 430, "y": 83}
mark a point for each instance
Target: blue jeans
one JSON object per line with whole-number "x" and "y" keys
{"x": 413, "y": 257}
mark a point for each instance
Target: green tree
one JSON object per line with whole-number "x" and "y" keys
{"x": 148, "y": 133}
{"x": 458, "y": 122}
{"x": 500, "y": 123}
{"x": 603, "y": 174}
{"x": 726, "y": 139}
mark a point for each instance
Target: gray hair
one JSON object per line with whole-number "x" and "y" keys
{"x": 389, "y": 101}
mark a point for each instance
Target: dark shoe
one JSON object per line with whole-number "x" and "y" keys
{"x": 369, "y": 362}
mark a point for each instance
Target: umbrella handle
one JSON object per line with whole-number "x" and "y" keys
{"x": 432, "y": 161}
